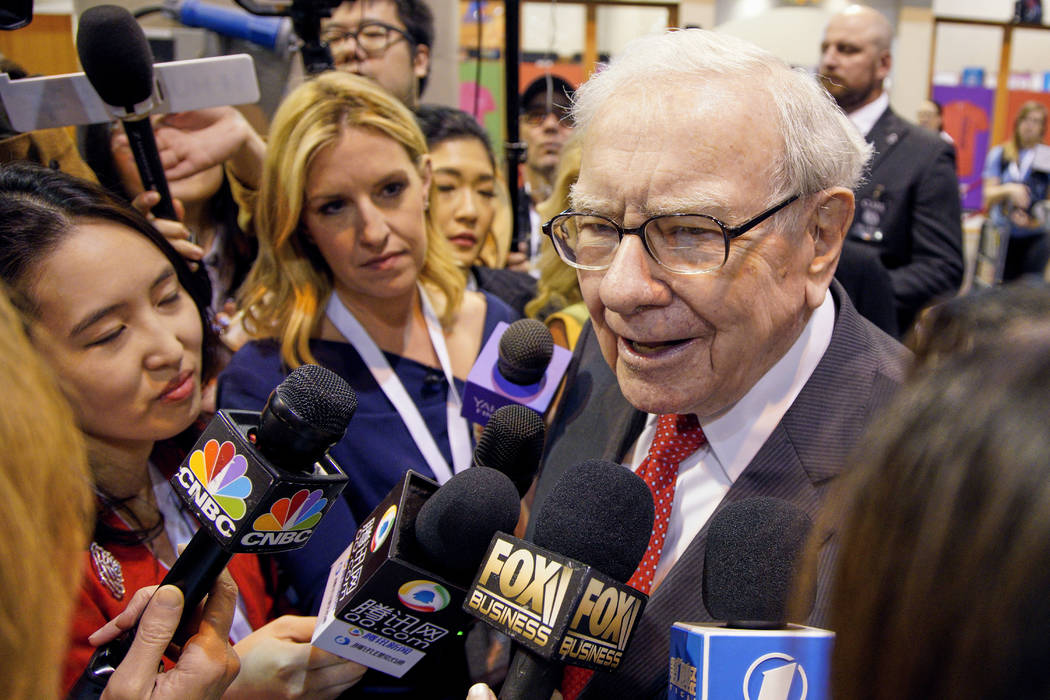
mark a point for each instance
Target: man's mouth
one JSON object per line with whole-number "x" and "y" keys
{"x": 653, "y": 347}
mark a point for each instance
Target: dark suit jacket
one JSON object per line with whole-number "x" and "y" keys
{"x": 908, "y": 207}
{"x": 860, "y": 369}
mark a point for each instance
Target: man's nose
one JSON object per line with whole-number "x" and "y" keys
{"x": 632, "y": 280}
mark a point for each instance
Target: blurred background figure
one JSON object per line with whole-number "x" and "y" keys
{"x": 930, "y": 117}
{"x": 1015, "y": 190}
{"x": 940, "y": 588}
{"x": 466, "y": 196}
{"x": 546, "y": 124}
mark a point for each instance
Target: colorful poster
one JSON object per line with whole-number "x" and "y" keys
{"x": 967, "y": 113}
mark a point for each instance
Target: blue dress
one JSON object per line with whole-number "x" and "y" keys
{"x": 376, "y": 451}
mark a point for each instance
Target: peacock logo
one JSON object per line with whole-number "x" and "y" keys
{"x": 300, "y": 512}
{"x": 222, "y": 472}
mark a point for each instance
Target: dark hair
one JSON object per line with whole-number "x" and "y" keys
{"x": 238, "y": 249}
{"x": 38, "y": 209}
{"x": 943, "y": 568}
{"x": 959, "y": 324}
{"x": 439, "y": 124}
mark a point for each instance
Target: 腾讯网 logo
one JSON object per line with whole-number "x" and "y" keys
{"x": 386, "y": 524}
{"x": 773, "y": 677}
{"x": 222, "y": 472}
{"x": 423, "y": 596}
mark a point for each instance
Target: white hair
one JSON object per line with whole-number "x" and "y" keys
{"x": 822, "y": 148}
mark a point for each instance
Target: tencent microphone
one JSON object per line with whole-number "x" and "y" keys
{"x": 273, "y": 33}
{"x": 512, "y": 442}
{"x": 394, "y": 596}
{"x": 562, "y": 597}
{"x": 256, "y": 482}
{"x": 754, "y": 548}
{"x": 518, "y": 364}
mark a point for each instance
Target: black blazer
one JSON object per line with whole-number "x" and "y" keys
{"x": 908, "y": 208}
{"x": 860, "y": 370}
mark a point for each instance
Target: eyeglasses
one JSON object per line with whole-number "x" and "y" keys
{"x": 374, "y": 38}
{"x": 684, "y": 243}
{"x": 534, "y": 116}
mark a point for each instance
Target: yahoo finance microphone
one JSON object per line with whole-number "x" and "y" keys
{"x": 562, "y": 597}
{"x": 256, "y": 482}
{"x": 512, "y": 442}
{"x": 754, "y": 548}
{"x": 395, "y": 595}
{"x": 519, "y": 364}
{"x": 119, "y": 64}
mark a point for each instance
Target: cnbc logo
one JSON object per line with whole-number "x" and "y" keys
{"x": 289, "y": 520}
{"x": 775, "y": 676}
{"x": 215, "y": 481}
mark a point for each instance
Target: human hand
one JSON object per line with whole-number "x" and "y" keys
{"x": 517, "y": 260}
{"x": 207, "y": 664}
{"x": 278, "y": 662}
{"x": 175, "y": 231}
{"x": 194, "y": 141}
{"x": 1018, "y": 194}
{"x": 480, "y": 691}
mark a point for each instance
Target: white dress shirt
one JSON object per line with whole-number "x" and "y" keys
{"x": 734, "y": 438}
{"x": 865, "y": 117}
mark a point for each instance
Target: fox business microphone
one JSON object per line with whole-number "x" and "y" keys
{"x": 518, "y": 364}
{"x": 562, "y": 597}
{"x": 754, "y": 549}
{"x": 256, "y": 482}
{"x": 394, "y": 597}
{"x": 119, "y": 64}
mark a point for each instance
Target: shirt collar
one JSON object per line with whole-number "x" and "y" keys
{"x": 865, "y": 117}
{"x": 736, "y": 436}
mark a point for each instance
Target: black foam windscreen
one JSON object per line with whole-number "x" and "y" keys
{"x": 599, "y": 513}
{"x": 455, "y": 525}
{"x": 525, "y": 350}
{"x": 512, "y": 442}
{"x": 115, "y": 55}
{"x": 319, "y": 397}
{"x": 753, "y": 550}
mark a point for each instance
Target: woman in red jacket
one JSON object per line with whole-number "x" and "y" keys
{"x": 121, "y": 320}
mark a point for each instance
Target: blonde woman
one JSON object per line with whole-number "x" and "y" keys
{"x": 353, "y": 275}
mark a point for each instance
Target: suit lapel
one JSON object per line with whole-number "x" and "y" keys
{"x": 884, "y": 136}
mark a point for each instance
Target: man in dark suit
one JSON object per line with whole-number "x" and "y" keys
{"x": 709, "y": 231}
{"x": 908, "y": 206}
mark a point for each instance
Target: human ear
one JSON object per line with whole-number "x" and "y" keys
{"x": 827, "y": 225}
{"x": 421, "y": 61}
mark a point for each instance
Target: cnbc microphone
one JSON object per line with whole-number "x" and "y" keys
{"x": 562, "y": 597}
{"x": 119, "y": 64}
{"x": 753, "y": 552}
{"x": 519, "y": 364}
{"x": 256, "y": 482}
{"x": 512, "y": 442}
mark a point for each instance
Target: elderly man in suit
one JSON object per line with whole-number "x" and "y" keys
{"x": 908, "y": 206}
{"x": 713, "y": 199}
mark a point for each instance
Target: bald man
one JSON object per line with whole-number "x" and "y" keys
{"x": 908, "y": 208}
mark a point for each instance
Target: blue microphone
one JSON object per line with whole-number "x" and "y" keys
{"x": 273, "y": 33}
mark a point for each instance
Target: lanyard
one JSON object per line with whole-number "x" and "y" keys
{"x": 386, "y": 378}
{"x": 1019, "y": 170}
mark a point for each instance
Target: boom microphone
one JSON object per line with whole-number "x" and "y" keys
{"x": 273, "y": 33}
{"x": 519, "y": 364}
{"x": 512, "y": 442}
{"x": 754, "y": 547}
{"x": 256, "y": 482}
{"x": 562, "y": 597}
{"x": 119, "y": 64}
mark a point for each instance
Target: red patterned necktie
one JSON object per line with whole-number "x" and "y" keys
{"x": 677, "y": 437}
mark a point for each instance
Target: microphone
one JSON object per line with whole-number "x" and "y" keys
{"x": 518, "y": 364}
{"x": 256, "y": 482}
{"x": 119, "y": 64}
{"x": 395, "y": 594}
{"x": 273, "y": 33}
{"x": 753, "y": 550}
{"x": 512, "y": 442}
{"x": 562, "y": 597}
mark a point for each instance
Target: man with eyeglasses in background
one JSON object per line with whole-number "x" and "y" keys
{"x": 714, "y": 195}
{"x": 545, "y": 124}
{"x": 386, "y": 40}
